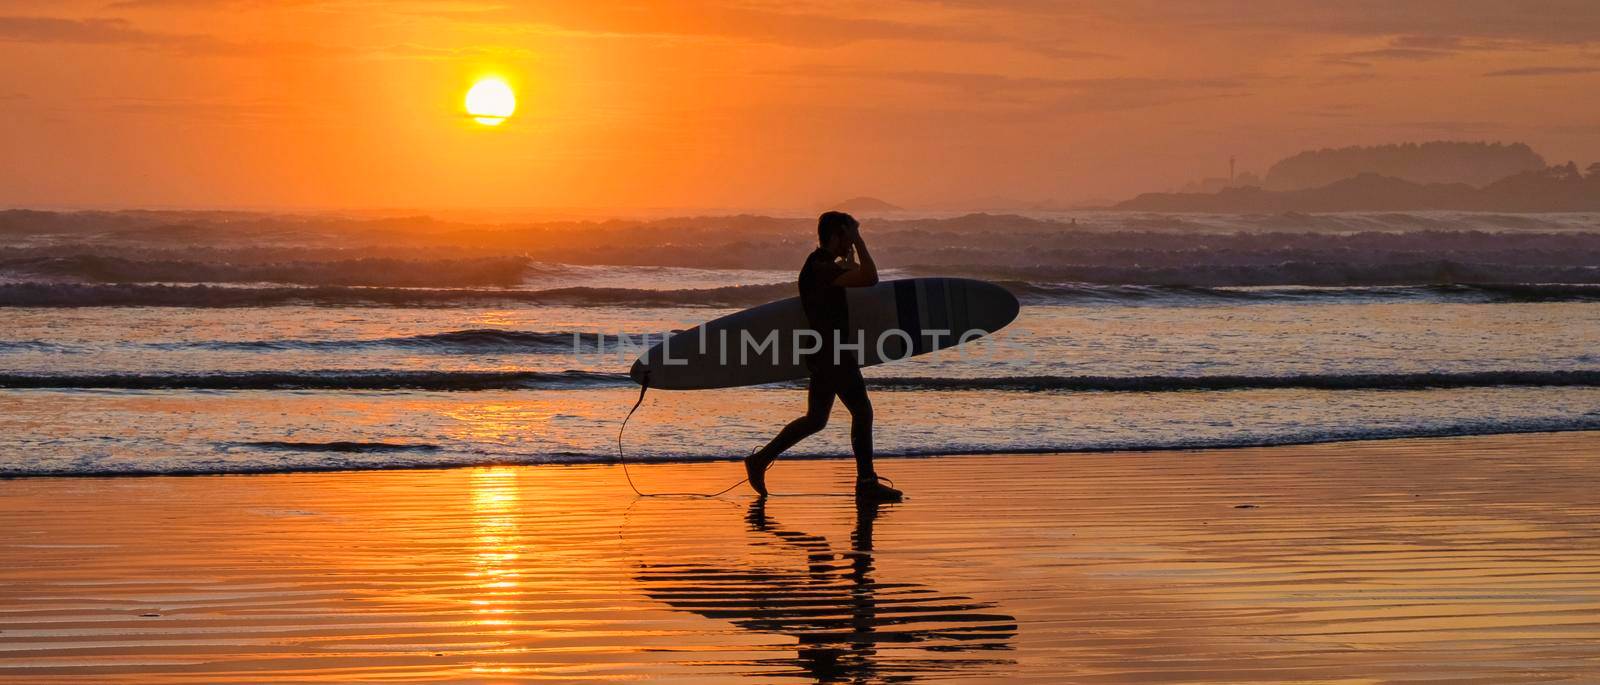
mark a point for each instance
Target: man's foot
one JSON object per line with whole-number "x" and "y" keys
{"x": 873, "y": 489}
{"x": 756, "y": 473}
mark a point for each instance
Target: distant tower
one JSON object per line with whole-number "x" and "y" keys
{"x": 1230, "y": 171}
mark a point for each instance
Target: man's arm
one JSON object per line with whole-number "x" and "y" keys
{"x": 866, "y": 272}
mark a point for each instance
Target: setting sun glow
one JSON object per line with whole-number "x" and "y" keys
{"x": 491, "y": 102}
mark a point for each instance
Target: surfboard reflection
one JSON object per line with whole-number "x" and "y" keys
{"x": 851, "y": 627}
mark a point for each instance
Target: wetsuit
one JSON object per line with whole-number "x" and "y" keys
{"x": 828, "y": 313}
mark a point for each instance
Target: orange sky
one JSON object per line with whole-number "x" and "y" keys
{"x": 753, "y": 104}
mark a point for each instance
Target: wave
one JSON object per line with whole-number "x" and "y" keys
{"x": 328, "y": 456}
{"x": 42, "y": 294}
{"x": 335, "y": 446}
{"x": 36, "y": 346}
{"x": 1342, "y": 381}
{"x": 1490, "y": 293}
{"x": 1344, "y": 273}
{"x": 469, "y": 341}
{"x": 539, "y": 380}
{"x": 1250, "y": 249}
{"x": 369, "y": 271}
{"x": 36, "y": 294}
{"x": 321, "y": 380}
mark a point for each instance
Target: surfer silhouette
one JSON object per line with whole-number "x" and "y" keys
{"x": 835, "y": 372}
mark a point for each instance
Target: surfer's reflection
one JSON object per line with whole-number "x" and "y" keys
{"x": 850, "y": 626}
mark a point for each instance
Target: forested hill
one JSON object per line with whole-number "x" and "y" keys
{"x": 1476, "y": 164}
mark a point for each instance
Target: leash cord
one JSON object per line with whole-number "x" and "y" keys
{"x": 622, "y": 459}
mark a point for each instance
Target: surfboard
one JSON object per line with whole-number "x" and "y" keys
{"x": 889, "y": 321}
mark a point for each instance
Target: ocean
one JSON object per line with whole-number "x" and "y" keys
{"x": 239, "y": 345}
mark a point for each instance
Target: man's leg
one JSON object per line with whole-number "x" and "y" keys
{"x": 853, "y": 393}
{"x": 819, "y": 403}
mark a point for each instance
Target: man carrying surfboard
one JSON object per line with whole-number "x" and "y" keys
{"x": 835, "y": 372}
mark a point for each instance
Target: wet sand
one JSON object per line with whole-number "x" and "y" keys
{"x": 1466, "y": 560}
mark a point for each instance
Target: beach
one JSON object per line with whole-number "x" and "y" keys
{"x": 1463, "y": 559}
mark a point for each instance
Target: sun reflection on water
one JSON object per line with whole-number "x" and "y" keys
{"x": 495, "y": 501}
{"x": 501, "y": 423}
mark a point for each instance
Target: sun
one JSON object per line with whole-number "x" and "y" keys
{"x": 491, "y": 102}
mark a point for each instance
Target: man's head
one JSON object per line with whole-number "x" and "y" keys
{"x": 833, "y": 232}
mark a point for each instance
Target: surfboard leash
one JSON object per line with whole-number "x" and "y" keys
{"x": 644, "y": 387}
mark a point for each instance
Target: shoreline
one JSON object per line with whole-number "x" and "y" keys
{"x": 996, "y": 453}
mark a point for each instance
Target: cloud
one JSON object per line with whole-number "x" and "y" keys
{"x": 775, "y": 23}
{"x": 1040, "y": 96}
{"x": 1422, "y": 48}
{"x": 1575, "y": 129}
{"x": 1533, "y": 21}
{"x": 1056, "y": 51}
{"x": 1361, "y": 58}
{"x": 1430, "y": 42}
{"x": 428, "y": 52}
{"x": 1544, "y": 71}
{"x": 197, "y": 107}
{"x": 989, "y": 84}
{"x": 204, "y": 4}
{"x": 1459, "y": 43}
{"x": 1408, "y": 54}
{"x": 1343, "y": 110}
{"x": 1538, "y": 21}
{"x": 1442, "y": 127}
{"x": 975, "y": 84}
{"x": 52, "y": 30}
{"x": 56, "y": 31}
{"x": 1348, "y": 78}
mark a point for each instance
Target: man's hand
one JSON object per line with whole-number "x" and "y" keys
{"x": 852, "y": 233}
{"x": 866, "y": 272}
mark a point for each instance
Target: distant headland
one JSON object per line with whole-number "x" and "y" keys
{"x": 1442, "y": 175}
{"x": 865, "y": 205}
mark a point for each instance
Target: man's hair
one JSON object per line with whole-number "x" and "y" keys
{"x": 830, "y": 222}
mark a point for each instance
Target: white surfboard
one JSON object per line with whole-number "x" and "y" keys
{"x": 891, "y": 320}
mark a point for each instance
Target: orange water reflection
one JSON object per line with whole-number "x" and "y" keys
{"x": 495, "y": 567}
{"x": 501, "y": 423}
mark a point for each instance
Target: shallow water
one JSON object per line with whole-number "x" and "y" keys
{"x": 186, "y": 390}
{"x": 142, "y": 343}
